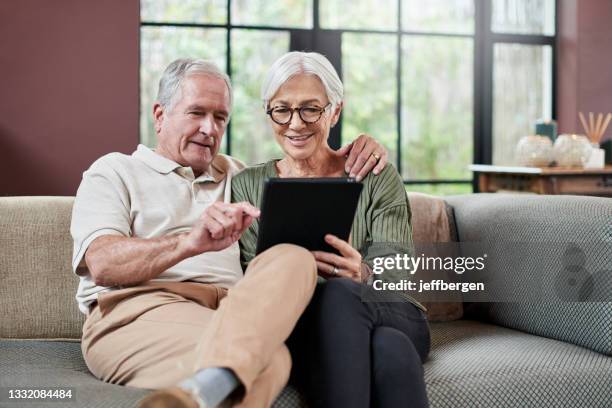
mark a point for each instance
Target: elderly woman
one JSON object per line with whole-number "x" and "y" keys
{"x": 347, "y": 352}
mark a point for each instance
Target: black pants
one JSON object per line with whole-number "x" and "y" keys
{"x": 350, "y": 353}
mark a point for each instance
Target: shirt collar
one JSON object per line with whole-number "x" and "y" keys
{"x": 162, "y": 165}
{"x": 154, "y": 160}
{"x": 217, "y": 170}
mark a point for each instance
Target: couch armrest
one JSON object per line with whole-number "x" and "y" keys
{"x": 549, "y": 219}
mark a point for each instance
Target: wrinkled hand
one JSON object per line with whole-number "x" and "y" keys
{"x": 348, "y": 263}
{"x": 219, "y": 226}
{"x": 362, "y": 156}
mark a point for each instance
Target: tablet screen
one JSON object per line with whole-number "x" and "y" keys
{"x": 302, "y": 210}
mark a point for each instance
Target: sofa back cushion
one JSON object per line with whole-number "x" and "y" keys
{"x": 37, "y": 285}
{"x": 547, "y": 219}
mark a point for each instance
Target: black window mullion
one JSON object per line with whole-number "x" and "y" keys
{"x": 315, "y": 15}
{"x": 329, "y": 43}
{"x": 522, "y": 39}
{"x": 228, "y": 64}
{"x": 554, "y": 63}
{"x": 437, "y": 181}
{"x": 184, "y": 25}
{"x": 487, "y": 84}
{"x": 483, "y": 87}
{"x": 399, "y": 88}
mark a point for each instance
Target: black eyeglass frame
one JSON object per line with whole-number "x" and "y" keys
{"x": 299, "y": 110}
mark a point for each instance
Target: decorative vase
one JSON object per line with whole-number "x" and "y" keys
{"x": 597, "y": 159}
{"x": 572, "y": 150}
{"x": 534, "y": 151}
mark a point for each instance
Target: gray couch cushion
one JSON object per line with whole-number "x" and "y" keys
{"x": 474, "y": 364}
{"x": 537, "y": 219}
{"x": 33, "y": 364}
{"x": 471, "y": 364}
{"x": 59, "y": 364}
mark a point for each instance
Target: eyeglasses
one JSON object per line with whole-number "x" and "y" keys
{"x": 309, "y": 114}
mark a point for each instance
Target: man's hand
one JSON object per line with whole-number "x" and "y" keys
{"x": 219, "y": 226}
{"x": 364, "y": 154}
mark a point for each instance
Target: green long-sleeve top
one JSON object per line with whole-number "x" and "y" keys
{"x": 382, "y": 220}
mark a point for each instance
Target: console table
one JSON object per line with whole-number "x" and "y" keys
{"x": 544, "y": 180}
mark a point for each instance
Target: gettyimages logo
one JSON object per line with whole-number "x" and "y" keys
{"x": 413, "y": 264}
{"x": 517, "y": 272}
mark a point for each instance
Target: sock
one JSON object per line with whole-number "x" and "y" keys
{"x": 212, "y": 385}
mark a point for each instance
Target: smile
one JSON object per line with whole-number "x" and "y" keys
{"x": 299, "y": 140}
{"x": 201, "y": 144}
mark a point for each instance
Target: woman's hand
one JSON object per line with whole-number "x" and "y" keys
{"x": 364, "y": 154}
{"x": 346, "y": 265}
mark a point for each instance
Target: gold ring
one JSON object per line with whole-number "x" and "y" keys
{"x": 377, "y": 157}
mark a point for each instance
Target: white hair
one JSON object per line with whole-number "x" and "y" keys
{"x": 173, "y": 76}
{"x": 294, "y": 63}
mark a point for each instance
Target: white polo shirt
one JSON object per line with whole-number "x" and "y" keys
{"x": 146, "y": 195}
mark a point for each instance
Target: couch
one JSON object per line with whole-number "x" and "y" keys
{"x": 496, "y": 355}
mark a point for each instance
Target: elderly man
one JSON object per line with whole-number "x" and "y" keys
{"x": 155, "y": 246}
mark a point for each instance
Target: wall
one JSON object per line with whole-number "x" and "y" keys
{"x": 584, "y": 79}
{"x": 68, "y": 90}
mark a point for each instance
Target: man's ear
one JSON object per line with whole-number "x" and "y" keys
{"x": 336, "y": 114}
{"x": 158, "y": 116}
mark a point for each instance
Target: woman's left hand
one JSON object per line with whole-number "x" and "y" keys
{"x": 364, "y": 154}
{"x": 346, "y": 265}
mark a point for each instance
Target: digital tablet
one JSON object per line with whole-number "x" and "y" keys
{"x": 302, "y": 210}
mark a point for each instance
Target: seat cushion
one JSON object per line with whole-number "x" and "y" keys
{"x": 474, "y": 364}
{"x": 471, "y": 364}
{"x": 31, "y": 364}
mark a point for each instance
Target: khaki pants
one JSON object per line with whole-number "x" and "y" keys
{"x": 156, "y": 335}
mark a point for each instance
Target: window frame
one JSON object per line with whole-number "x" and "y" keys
{"x": 485, "y": 40}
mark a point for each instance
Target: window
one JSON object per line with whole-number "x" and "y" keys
{"x": 522, "y": 91}
{"x": 522, "y": 58}
{"x": 442, "y": 83}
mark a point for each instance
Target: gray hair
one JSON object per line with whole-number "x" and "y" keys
{"x": 173, "y": 76}
{"x": 294, "y": 63}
